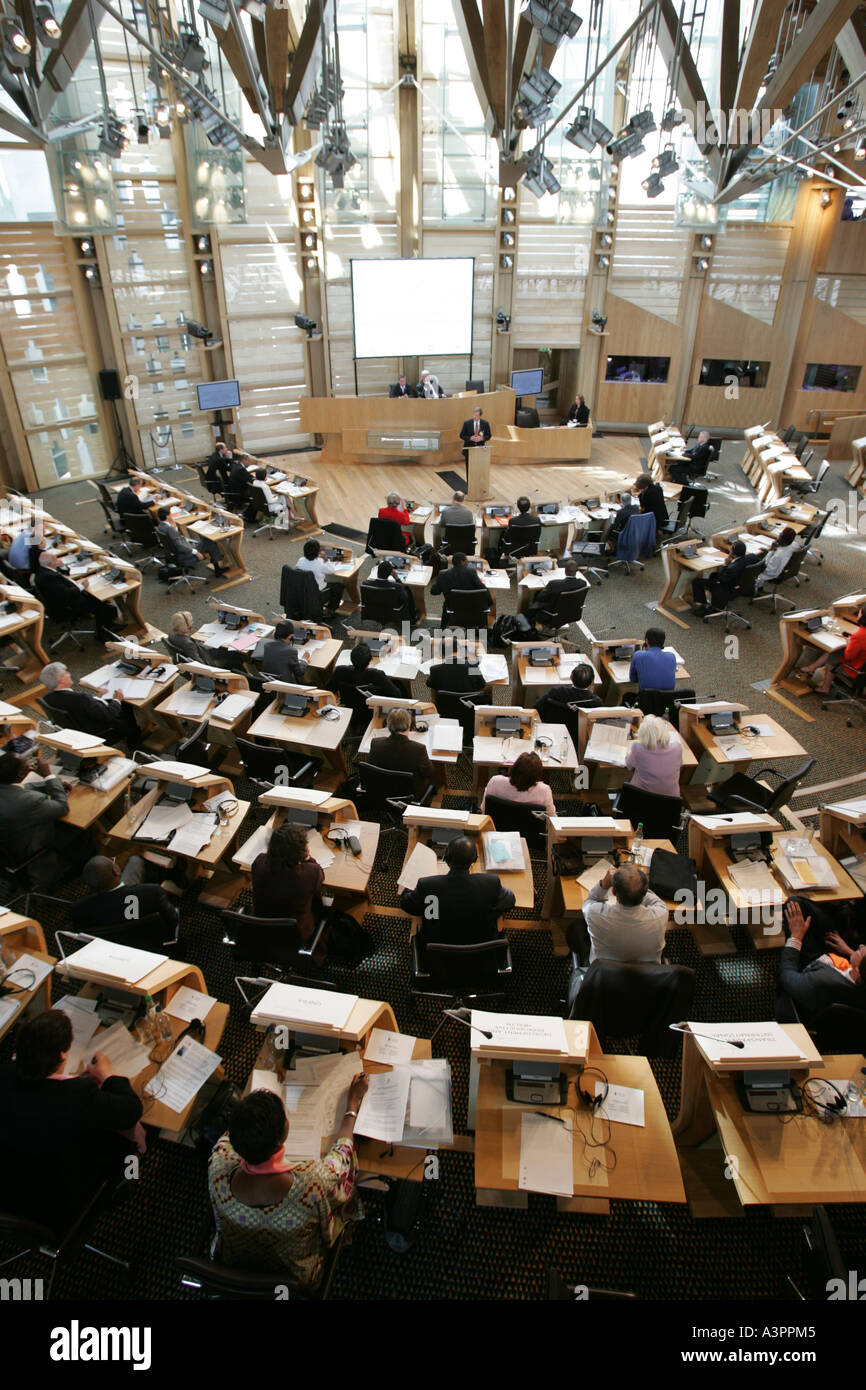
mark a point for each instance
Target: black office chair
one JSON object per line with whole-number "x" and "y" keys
{"x": 743, "y": 793}
{"x": 217, "y": 1280}
{"x": 660, "y": 816}
{"x": 62, "y": 617}
{"x": 238, "y": 498}
{"x": 171, "y": 572}
{"x": 527, "y": 418}
{"x": 745, "y": 589}
{"x": 633, "y": 1000}
{"x": 141, "y": 529}
{"x": 809, "y": 489}
{"x": 791, "y": 572}
{"x": 481, "y": 970}
{"x": 195, "y": 748}
{"x": 383, "y": 533}
{"x": 678, "y": 527}
{"x": 468, "y": 608}
{"x": 148, "y": 933}
{"x": 517, "y": 542}
{"x": 300, "y": 598}
{"x": 113, "y": 520}
{"x": 664, "y": 703}
{"x": 274, "y": 942}
{"x": 568, "y": 609}
{"x": 528, "y": 821}
{"x": 850, "y": 688}
{"x": 380, "y": 605}
{"x": 840, "y": 1029}
{"x": 62, "y": 1244}
{"x": 591, "y": 552}
{"x": 384, "y": 792}
{"x": 269, "y": 765}
{"x": 460, "y": 705}
{"x": 700, "y": 500}
{"x": 353, "y": 697}
{"x": 802, "y": 442}
{"x": 812, "y": 533}
{"x": 458, "y": 539}
{"x": 556, "y": 712}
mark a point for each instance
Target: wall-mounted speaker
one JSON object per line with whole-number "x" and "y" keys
{"x": 109, "y": 385}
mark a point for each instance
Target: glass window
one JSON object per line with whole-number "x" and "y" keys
{"x": 722, "y": 371}
{"x": 830, "y": 376}
{"x": 25, "y": 187}
{"x": 653, "y": 370}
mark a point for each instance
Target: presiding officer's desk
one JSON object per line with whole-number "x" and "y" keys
{"x": 547, "y": 444}
{"x": 349, "y": 423}
{"x": 423, "y": 822}
{"x": 838, "y": 622}
{"x": 785, "y": 1162}
{"x": 320, "y": 730}
{"x": 347, "y": 876}
{"x": 754, "y": 738}
{"x": 614, "y": 671}
{"x": 492, "y": 751}
{"x": 23, "y": 936}
{"x": 646, "y": 1166}
{"x": 535, "y": 680}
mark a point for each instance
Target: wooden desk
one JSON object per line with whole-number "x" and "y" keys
{"x": 490, "y": 751}
{"x": 218, "y": 637}
{"x": 344, "y": 421}
{"x": 22, "y": 628}
{"x": 549, "y": 444}
{"x": 308, "y": 733}
{"x": 398, "y": 661}
{"x": 677, "y": 565}
{"x": 474, "y": 826}
{"x": 539, "y": 679}
{"x": 222, "y": 732}
{"x": 349, "y": 571}
{"x": 797, "y": 640}
{"x": 202, "y": 520}
{"x": 613, "y": 674}
{"x": 380, "y": 707}
{"x": 346, "y": 877}
{"x": 20, "y": 935}
{"x": 715, "y": 764}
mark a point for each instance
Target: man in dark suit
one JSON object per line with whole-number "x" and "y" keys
{"x": 699, "y": 456}
{"x": 460, "y": 575}
{"x": 183, "y": 554}
{"x": 128, "y": 501}
{"x": 404, "y": 599}
{"x": 69, "y": 599}
{"x": 723, "y": 583}
{"x": 577, "y": 691}
{"x": 400, "y": 389}
{"x": 816, "y": 985}
{"x": 545, "y": 603}
{"x": 457, "y": 677}
{"x": 237, "y": 484}
{"x": 458, "y": 908}
{"x": 281, "y": 659}
{"x": 360, "y": 674}
{"x": 396, "y": 751}
{"x": 219, "y": 463}
{"x": 111, "y": 720}
{"x": 475, "y": 432}
{"x": 628, "y": 506}
{"x": 28, "y": 815}
{"x": 121, "y": 899}
{"x": 510, "y": 537}
{"x": 652, "y": 499}
{"x": 59, "y": 1141}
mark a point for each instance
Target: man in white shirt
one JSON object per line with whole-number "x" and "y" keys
{"x": 630, "y": 926}
{"x": 778, "y": 557}
{"x": 276, "y": 505}
{"x": 312, "y": 560}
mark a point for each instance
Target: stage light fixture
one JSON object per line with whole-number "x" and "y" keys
{"x": 860, "y": 151}
{"x": 672, "y": 118}
{"x": 112, "y": 135}
{"x": 642, "y": 122}
{"x": 47, "y": 28}
{"x": 586, "y": 130}
{"x": 666, "y": 162}
{"x": 535, "y": 95}
{"x": 308, "y": 325}
{"x": 16, "y": 45}
{"x": 653, "y": 185}
{"x": 554, "y": 19}
{"x": 703, "y": 264}
{"x": 599, "y": 321}
{"x": 539, "y": 177}
{"x": 190, "y": 50}
{"x": 626, "y": 145}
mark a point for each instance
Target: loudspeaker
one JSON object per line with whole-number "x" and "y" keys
{"x": 109, "y": 385}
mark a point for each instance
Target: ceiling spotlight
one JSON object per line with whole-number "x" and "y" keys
{"x": 216, "y": 12}
{"x": 606, "y": 240}
{"x": 535, "y": 95}
{"x": 599, "y": 321}
{"x": 672, "y": 118}
{"x": 508, "y": 216}
{"x": 203, "y": 245}
{"x": 703, "y": 264}
{"x": 503, "y": 320}
{"x": 586, "y": 130}
{"x": 706, "y": 243}
{"x": 205, "y": 267}
{"x": 602, "y": 262}
{"x": 627, "y": 144}
{"x": 311, "y": 263}
{"x": 539, "y": 177}
{"x": 335, "y": 156}
{"x": 507, "y": 239}
{"x": 181, "y": 110}
{"x": 47, "y": 28}
{"x": 643, "y": 122}
{"x": 16, "y": 45}
{"x": 308, "y": 325}
{"x": 610, "y": 217}
{"x": 554, "y": 19}
{"x": 142, "y": 128}
{"x": 91, "y": 273}
{"x": 860, "y": 151}
{"x": 190, "y": 50}
{"x": 112, "y": 135}
{"x": 163, "y": 113}
{"x": 506, "y": 262}
{"x": 849, "y": 121}
{"x": 666, "y": 162}
{"x": 653, "y": 185}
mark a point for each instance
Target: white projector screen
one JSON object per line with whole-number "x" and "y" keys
{"x": 413, "y": 308}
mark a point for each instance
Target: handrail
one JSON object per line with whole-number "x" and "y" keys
{"x": 837, "y": 414}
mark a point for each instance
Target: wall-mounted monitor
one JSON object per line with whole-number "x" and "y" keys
{"x": 528, "y": 383}
{"x": 830, "y": 376}
{"x": 726, "y": 371}
{"x": 218, "y": 395}
{"x": 413, "y": 308}
{"x": 650, "y": 370}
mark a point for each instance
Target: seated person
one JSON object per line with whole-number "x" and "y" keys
{"x": 128, "y": 501}
{"x": 723, "y": 583}
{"x": 70, "y": 598}
{"x": 429, "y": 387}
{"x": 652, "y": 667}
{"x": 396, "y": 509}
{"x": 544, "y": 603}
{"x": 786, "y": 545}
{"x": 699, "y": 458}
{"x": 113, "y": 893}
{"x": 274, "y": 1213}
{"x": 837, "y": 977}
{"x": 577, "y": 692}
{"x": 510, "y": 536}
{"x": 458, "y": 908}
{"x": 28, "y": 815}
{"x": 21, "y": 550}
{"x": 629, "y": 928}
{"x": 238, "y": 482}
{"x": 360, "y": 674}
{"x": 219, "y": 465}
{"x": 457, "y": 677}
{"x": 182, "y": 553}
{"x": 578, "y": 413}
{"x": 323, "y": 571}
{"x": 110, "y": 718}
{"x": 525, "y": 784}
{"x": 849, "y": 659}
{"x": 61, "y": 1137}
{"x": 401, "y": 388}
{"x": 281, "y": 658}
{"x": 287, "y": 882}
{"x": 396, "y": 752}
{"x": 386, "y": 578}
{"x": 628, "y": 507}
{"x": 656, "y": 757}
{"x": 460, "y": 575}
{"x": 262, "y": 496}
{"x": 841, "y": 926}
{"x": 651, "y": 499}
{"x": 183, "y": 644}
{"x": 457, "y": 513}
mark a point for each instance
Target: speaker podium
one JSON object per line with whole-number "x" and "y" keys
{"x": 478, "y": 473}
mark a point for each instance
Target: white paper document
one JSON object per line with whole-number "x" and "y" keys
{"x": 294, "y": 796}
{"x": 623, "y": 1104}
{"x": 546, "y": 1155}
{"x": 394, "y": 1049}
{"x": 85, "y": 1022}
{"x": 6, "y": 710}
{"x": 162, "y": 821}
{"x": 522, "y": 1032}
{"x": 8, "y": 1009}
{"x": 257, "y": 844}
{"x": 294, "y": 1003}
{"x": 192, "y": 703}
{"x": 233, "y": 706}
{"x": 115, "y": 962}
{"x": 595, "y": 873}
{"x": 182, "y": 1076}
{"x": 187, "y": 772}
{"x": 445, "y": 736}
{"x": 503, "y": 852}
{"x": 319, "y": 850}
{"x": 429, "y": 1101}
{"x": 422, "y": 863}
{"x": 194, "y": 834}
{"x": 608, "y": 743}
{"x": 127, "y": 1057}
{"x": 804, "y": 871}
{"x": 757, "y": 883}
{"x": 493, "y": 667}
{"x": 112, "y": 773}
{"x": 187, "y": 1004}
{"x": 72, "y": 738}
{"x": 40, "y": 969}
{"x": 854, "y": 808}
{"x": 760, "y": 1040}
{"x": 383, "y": 1110}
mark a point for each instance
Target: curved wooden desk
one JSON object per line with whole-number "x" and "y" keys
{"x": 556, "y": 444}
{"x": 344, "y": 421}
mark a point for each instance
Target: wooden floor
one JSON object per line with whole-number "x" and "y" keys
{"x": 353, "y": 493}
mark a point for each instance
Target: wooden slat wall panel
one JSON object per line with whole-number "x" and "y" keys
{"x": 847, "y": 293}
{"x": 552, "y": 265}
{"x": 747, "y": 267}
{"x": 39, "y": 329}
{"x": 649, "y": 260}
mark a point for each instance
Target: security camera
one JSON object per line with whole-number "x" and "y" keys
{"x": 198, "y": 330}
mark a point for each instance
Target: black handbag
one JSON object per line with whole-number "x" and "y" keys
{"x": 673, "y": 873}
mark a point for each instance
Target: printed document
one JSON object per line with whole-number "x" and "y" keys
{"x": 546, "y": 1155}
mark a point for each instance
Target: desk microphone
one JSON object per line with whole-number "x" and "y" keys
{"x": 684, "y": 1028}
{"x": 462, "y": 1016}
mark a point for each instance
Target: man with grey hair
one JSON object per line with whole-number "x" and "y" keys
{"x": 698, "y": 460}
{"x": 68, "y": 599}
{"x": 630, "y": 927}
{"x": 109, "y": 719}
{"x": 456, "y": 513}
{"x": 429, "y": 386}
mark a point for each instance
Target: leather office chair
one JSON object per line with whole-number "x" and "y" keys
{"x": 638, "y": 537}
{"x": 850, "y": 690}
{"x": 217, "y": 1280}
{"x": 62, "y": 1244}
{"x": 812, "y": 533}
{"x": 527, "y": 418}
{"x": 481, "y": 970}
{"x": 590, "y": 552}
{"x": 195, "y": 748}
{"x": 518, "y": 541}
{"x": 382, "y": 605}
{"x": 171, "y": 562}
{"x": 384, "y": 792}
{"x": 528, "y": 821}
{"x": 300, "y": 598}
{"x": 269, "y": 765}
{"x": 468, "y": 608}
{"x": 113, "y": 519}
{"x": 460, "y": 705}
{"x": 567, "y": 610}
{"x": 459, "y": 539}
{"x": 383, "y": 533}
{"x": 791, "y": 572}
{"x": 148, "y": 933}
{"x": 63, "y": 617}
{"x": 274, "y": 942}
{"x": 141, "y": 529}
{"x": 743, "y": 793}
{"x": 555, "y": 712}
{"x": 634, "y": 1000}
{"x": 745, "y": 589}
{"x": 665, "y": 703}
{"x": 660, "y": 816}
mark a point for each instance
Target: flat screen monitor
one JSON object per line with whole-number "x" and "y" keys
{"x": 527, "y": 383}
{"x": 413, "y": 308}
{"x": 218, "y": 395}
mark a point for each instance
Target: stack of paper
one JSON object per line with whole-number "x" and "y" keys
{"x": 112, "y": 773}
{"x": 445, "y": 736}
{"x": 760, "y": 1041}
{"x": 233, "y": 706}
{"x": 194, "y": 834}
{"x": 192, "y": 703}
{"x": 518, "y": 1032}
{"x": 383, "y": 1110}
{"x": 757, "y": 884}
{"x": 389, "y": 1048}
{"x": 503, "y": 852}
{"x": 78, "y": 742}
{"x": 182, "y": 1076}
{"x": 163, "y": 820}
{"x": 595, "y": 873}
{"x": 318, "y": 849}
{"x": 304, "y": 1004}
{"x": 608, "y": 743}
{"x": 804, "y": 871}
{"x": 112, "y": 961}
{"x": 127, "y": 1057}
{"x": 493, "y": 666}
{"x": 422, "y": 863}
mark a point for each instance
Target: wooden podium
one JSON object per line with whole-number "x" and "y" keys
{"x": 478, "y": 474}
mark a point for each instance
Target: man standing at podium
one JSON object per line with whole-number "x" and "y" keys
{"x": 400, "y": 388}
{"x": 475, "y": 433}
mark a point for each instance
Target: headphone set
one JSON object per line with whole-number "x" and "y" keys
{"x": 594, "y": 1103}
{"x": 828, "y": 1107}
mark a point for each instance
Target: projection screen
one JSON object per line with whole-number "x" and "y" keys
{"x": 413, "y": 308}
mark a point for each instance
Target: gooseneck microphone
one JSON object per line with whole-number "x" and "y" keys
{"x": 684, "y": 1028}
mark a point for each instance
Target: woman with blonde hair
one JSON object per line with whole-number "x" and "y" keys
{"x": 180, "y": 627}
{"x": 655, "y": 757}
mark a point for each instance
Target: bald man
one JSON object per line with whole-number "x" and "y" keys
{"x": 625, "y": 919}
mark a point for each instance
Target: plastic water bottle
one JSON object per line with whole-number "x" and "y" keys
{"x": 164, "y": 1030}
{"x": 855, "y": 1091}
{"x": 637, "y": 842}
{"x": 269, "y": 1056}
